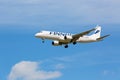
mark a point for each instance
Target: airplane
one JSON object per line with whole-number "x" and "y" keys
{"x": 60, "y": 38}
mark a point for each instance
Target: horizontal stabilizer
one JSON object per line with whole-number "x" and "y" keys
{"x": 101, "y": 38}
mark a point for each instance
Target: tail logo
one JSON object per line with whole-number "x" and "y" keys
{"x": 97, "y": 31}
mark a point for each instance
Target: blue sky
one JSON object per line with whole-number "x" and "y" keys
{"x": 24, "y": 57}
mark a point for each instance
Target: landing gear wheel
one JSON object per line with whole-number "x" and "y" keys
{"x": 74, "y": 43}
{"x": 66, "y": 46}
{"x": 43, "y": 41}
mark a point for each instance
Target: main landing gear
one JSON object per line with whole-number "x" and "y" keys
{"x": 66, "y": 46}
{"x": 43, "y": 41}
{"x": 74, "y": 43}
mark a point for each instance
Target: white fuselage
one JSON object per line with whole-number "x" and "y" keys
{"x": 60, "y": 37}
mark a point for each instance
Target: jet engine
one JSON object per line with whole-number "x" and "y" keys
{"x": 68, "y": 37}
{"x": 55, "y": 43}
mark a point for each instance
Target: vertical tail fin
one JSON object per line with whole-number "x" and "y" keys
{"x": 97, "y": 32}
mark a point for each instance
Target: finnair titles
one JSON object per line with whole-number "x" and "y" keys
{"x": 60, "y": 33}
{"x": 60, "y": 38}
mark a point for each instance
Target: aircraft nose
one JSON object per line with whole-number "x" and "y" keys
{"x": 37, "y": 34}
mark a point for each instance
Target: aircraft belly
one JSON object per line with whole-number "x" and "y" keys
{"x": 85, "y": 40}
{"x": 56, "y": 37}
{"x": 52, "y": 37}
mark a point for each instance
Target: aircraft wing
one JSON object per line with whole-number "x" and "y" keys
{"x": 77, "y": 36}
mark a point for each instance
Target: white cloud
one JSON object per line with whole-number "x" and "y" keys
{"x": 27, "y": 70}
{"x": 22, "y": 1}
{"x": 30, "y": 1}
{"x": 59, "y": 66}
{"x": 40, "y": 12}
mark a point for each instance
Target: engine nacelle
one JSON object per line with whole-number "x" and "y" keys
{"x": 68, "y": 37}
{"x": 55, "y": 43}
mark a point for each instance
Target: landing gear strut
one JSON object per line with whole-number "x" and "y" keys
{"x": 66, "y": 46}
{"x": 43, "y": 40}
